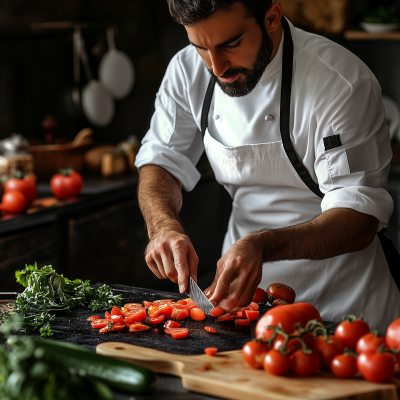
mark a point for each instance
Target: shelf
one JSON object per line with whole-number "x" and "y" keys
{"x": 361, "y": 35}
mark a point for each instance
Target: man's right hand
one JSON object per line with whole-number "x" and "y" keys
{"x": 170, "y": 255}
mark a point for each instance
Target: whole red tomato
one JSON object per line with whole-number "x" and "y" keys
{"x": 285, "y": 315}
{"x": 344, "y": 365}
{"x": 26, "y": 186}
{"x": 66, "y": 184}
{"x": 393, "y": 335}
{"x": 260, "y": 296}
{"x": 376, "y": 367}
{"x": 369, "y": 342}
{"x": 327, "y": 351}
{"x": 350, "y": 332}
{"x": 276, "y": 363}
{"x": 13, "y": 202}
{"x": 294, "y": 344}
{"x": 254, "y": 353}
{"x": 309, "y": 311}
{"x": 280, "y": 291}
{"x": 304, "y": 364}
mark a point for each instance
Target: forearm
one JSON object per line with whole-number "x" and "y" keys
{"x": 160, "y": 200}
{"x": 335, "y": 232}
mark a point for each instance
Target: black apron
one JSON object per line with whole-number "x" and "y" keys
{"x": 391, "y": 253}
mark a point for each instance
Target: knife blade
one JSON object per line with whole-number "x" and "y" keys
{"x": 197, "y": 295}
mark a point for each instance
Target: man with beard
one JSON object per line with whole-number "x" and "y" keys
{"x": 295, "y": 130}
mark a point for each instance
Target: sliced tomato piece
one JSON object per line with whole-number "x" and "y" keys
{"x": 179, "y": 314}
{"x": 184, "y": 302}
{"x": 138, "y": 328}
{"x": 166, "y": 310}
{"x": 116, "y": 311}
{"x": 132, "y": 306}
{"x": 179, "y": 333}
{"x": 254, "y": 306}
{"x": 107, "y": 316}
{"x": 210, "y": 351}
{"x": 225, "y": 317}
{"x": 115, "y": 327}
{"x": 117, "y": 319}
{"x": 197, "y": 314}
{"x": 148, "y": 304}
{"x": 154, "y": 312}
{"x": 252, "y": 315}
{"x": 242, "y": 322}
{"x": 136, "y": 316}
{"x": 240, "y": 314}
{"x": 183, "y": 306}
{"x": 217, "y": 311}
{"x": 155, "y": 321}
{"x": 93, "y": 318}
{"x": 100, "y": 323}
{"x": 172, "y": 324}
{"x": 165, "y": 301}
{"x": 190, "y": 302}
{"x": 209, "y": 329}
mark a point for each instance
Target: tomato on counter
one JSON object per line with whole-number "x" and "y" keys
{"x": 13, "y": 202}
{"x": 349, "y": 332}
{"x": 279, "y": 291}
{"x": 210, "y": 351}
{"x": 66, "y": 184}
{"x": 26, "y": 186}
{"x": 260, "y": 296}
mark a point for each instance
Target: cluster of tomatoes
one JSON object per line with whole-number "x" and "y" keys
{"x": 293, "y": 338}
{"x": 18, "y": 194}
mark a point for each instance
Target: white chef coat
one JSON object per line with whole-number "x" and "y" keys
{"x": 333, "y": 93}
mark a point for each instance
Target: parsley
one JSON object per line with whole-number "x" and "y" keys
{"x": 48, "y": 293}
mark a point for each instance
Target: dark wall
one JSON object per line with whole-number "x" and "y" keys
{"x": 36, "y": 71}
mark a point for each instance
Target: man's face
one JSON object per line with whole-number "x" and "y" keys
{"x": 235, "y": 49}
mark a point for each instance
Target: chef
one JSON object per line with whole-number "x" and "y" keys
{"x": 294, "y": 128}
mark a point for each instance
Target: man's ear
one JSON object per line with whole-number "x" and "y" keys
{"x": 273, "y": 17}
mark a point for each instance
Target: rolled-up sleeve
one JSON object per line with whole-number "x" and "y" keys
{"x": 173, "y": 141}
{"x": 353, "y": 152}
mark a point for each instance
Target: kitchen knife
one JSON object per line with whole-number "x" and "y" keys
{"x": 197, "y": 295}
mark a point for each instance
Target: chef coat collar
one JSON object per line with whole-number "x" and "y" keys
{"x": 276, "y": 64}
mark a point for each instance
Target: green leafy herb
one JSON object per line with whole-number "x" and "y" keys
{"x": 381, "y": 15}
{"x": 48, "y": 293}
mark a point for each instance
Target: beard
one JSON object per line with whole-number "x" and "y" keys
{"x": 249, "y": 77}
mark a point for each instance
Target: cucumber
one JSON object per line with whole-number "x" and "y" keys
{"x": 117, "y": 374}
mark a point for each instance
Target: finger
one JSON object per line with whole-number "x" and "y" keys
{"x": 229, "y": 273}
{"x": 193, "y": 261}
{"x": 168, "y": 263}
{"x": 153, "y": 267}
{"x": 232, "y": 296}
{"x": 157, "y": 259}
{"x": 182, "y": 268}
{"x": 210, "y": 290}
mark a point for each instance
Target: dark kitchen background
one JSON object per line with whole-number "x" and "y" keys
{"x": 101, "y": 237}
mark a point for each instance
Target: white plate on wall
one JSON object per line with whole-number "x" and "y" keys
{"x": 379, "y": 28}
{"x": 392, "y": 116}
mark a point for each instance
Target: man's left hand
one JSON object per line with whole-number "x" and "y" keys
{"x": 239, "y": 272}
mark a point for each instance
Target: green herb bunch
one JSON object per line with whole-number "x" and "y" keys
{"x": 30, "y": 372}
{"x": 381, "y": 15}
{"x": 48, "y": 293}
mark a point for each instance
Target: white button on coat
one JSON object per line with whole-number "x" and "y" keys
{"x": 269, "y": 117}
{"x": 333, "y": 93}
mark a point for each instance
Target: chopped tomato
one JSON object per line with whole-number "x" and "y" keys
{"x": 165, "y": 301}
{"x": 254, "y": 306}
{"x": 100, "y": 323}
{"x": 225, "y": 317}
{"x": 183, "y": 306}
{"x": 137, "y": 316}
{"x": 181, "y": 302}
{"x": 197, "y": 314}
{"x": 155, "y": 321}
{"x": 239, "y": 315}
{"x": 114, "y": 327}
{"x": 118, "y": 319}
{"x": 116, "y": 311}
{"x": 148, "y": 304}
{"x": 108, "y": 316}
{"x": 132, "y": 306}
{"x": 172, "y": 324}
{"x": 166, "y": 310}
{"x": 242, "y": 322}
{"x": 179, "y": 314}
{"x": 217, "y": 311}
{"x": 252, "y": 315}
{"x": 154, "y": 312}
{"x": 190, "y": 302}
{"x": 211, "y": 330}
{"x": 138, "y": 328}
{"x": 260, "y": 296}
{"x": 93, "y": 318}
{"x": 179, "y": 333}
{"x": 210, "y": 351}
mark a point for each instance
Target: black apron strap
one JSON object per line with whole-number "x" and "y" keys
{"x": 392, "y": 256}
{"x": 286, "y": 93}
{"x": 206, "y": 106}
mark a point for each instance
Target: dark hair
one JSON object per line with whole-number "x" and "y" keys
{"x": 190, "y": 12}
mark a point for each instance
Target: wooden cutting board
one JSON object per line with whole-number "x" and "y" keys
{"x": 226, "y": 375}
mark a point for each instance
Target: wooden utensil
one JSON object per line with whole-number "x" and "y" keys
{"x": 227, "y": 376}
